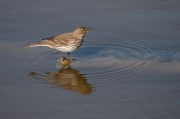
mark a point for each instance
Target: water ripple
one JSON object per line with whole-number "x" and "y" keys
{"x": 118, "y": 60}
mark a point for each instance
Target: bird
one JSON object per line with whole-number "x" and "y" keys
{"x": 66, "y": 42}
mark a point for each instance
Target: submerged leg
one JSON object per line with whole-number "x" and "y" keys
{"x": 65, "y": 62}
{"x": 71, "y": 56}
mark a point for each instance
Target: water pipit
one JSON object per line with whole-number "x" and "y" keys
{"x": 66, "y": 42}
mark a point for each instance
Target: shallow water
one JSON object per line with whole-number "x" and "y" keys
{"x": 128, "y": 66}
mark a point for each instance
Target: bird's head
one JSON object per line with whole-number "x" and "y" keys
{"x": 81, "y": 31}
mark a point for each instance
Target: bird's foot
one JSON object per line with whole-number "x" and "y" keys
{"x": 73, "y": 59}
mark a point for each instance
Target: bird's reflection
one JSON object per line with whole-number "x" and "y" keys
{"x": 67, "y": 79}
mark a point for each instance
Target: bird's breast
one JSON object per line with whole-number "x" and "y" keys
{"x": 81, "y": 36}
{"x": 79, "y": 43}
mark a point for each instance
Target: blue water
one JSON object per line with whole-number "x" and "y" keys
{"x": 127, "y": 68}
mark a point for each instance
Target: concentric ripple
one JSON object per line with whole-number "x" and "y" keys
{"x": 119, "y": 60}
{"x": 124, "y": 55}
{"x": 128, "y": 58}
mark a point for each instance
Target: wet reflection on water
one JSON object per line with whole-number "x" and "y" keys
{"x": 67, "y": 79}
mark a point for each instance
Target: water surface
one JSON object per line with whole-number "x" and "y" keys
{"x": 128, "y": 66}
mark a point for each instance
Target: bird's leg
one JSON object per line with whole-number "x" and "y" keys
{"x": 71, "y": 56}
{"x": 61, "y": 53}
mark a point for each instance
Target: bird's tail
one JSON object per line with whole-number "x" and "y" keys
{"x": 37, "y": 44}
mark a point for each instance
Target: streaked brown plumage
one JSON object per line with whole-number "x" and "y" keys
{"x": 66, "y": 42}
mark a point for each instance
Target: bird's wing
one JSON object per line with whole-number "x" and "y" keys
{"x": 63, "y": 39}
{"x": 50, "y": 38}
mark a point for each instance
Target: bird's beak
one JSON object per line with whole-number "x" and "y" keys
{"x": 88, "y": 29}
